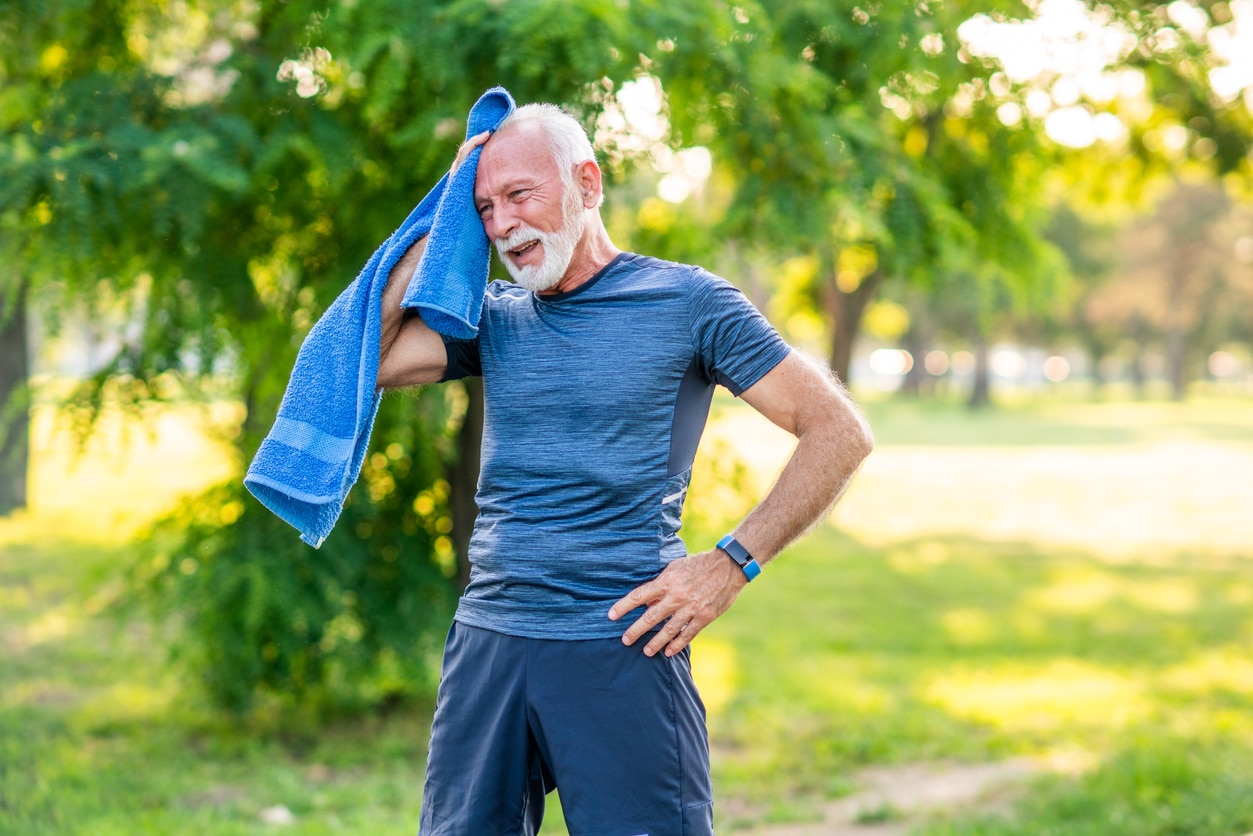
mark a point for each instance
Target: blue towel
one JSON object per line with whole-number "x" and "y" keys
{"x": 313, "y": 454}
{"x": 447, "y": 288}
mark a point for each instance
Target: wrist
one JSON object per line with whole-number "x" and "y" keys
{"x": 736, "y": 551}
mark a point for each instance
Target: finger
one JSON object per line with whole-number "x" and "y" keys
{"x": 673, "y": 632}
{"x": 638, "y": 597}
{"x": 683, "y": 639}
{"x": 468, "y": 146}
{"x": 651, "y": 617}
{"x": 633, "y": 633}
{"x": 686, "y": 637}
{"x": 648, "y": 622}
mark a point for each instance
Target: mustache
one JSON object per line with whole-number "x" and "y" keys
{"x": 521, "y": 235}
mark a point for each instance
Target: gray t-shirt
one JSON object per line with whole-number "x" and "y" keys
{"x": 595, "y": 403}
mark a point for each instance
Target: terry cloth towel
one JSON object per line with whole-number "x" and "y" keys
{"x": 313, "y": 454}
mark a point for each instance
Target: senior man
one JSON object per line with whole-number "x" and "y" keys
{"x": 567, "y": 663}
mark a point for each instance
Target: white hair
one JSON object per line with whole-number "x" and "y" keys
{"x": 566, "y": 138}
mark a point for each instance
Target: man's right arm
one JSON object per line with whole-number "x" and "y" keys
{"x": 410, "y": 353}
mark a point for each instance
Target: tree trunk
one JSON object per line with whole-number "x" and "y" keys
{"x": 15, "y": 397}
{"x": 1178, "y": 323}
{"x": 845, "y": 310}
{"x": 463, "y": 477}
{"x": 1176, "y": 362}
{"x": 916, "y": 345}
{"x": 1095, "y": 358}
{"x": 1139, "y": 381}
{"x": 980, "y": 393}
{"x": 1096, "y": 352}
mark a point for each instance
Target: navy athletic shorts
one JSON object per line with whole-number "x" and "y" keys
{"x": 620, "y": 735}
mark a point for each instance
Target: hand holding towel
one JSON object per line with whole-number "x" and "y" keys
{"x": 313, "y": 454}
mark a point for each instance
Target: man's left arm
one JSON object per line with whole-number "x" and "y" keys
{"x": 832, "y": 440}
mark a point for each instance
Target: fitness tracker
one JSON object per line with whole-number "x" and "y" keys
{"x": 736, "y": 551}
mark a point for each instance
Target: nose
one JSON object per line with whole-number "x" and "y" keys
{"x": 502, "y": 223}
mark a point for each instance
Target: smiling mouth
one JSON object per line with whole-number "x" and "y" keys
{"x": 524, "y": 249}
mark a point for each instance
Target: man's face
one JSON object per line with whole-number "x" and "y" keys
{"x": 528, "y": 210}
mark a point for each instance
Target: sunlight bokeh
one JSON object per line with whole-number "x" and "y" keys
{"x": 1066, "y": 52}
{"x": 134, "y": 472}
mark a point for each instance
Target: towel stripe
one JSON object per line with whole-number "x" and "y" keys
{"x": 309, "y": 439}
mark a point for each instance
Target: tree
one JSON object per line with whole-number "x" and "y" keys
{"x": 863, "y": 137}
{"x": 224, "y": 168}
{"x": 1090, "y": 251}
{"x": 1178, "y": 282}
{"x": 1167, "y": 103}
{"x": 15, "y": 415}
{"x": 900, "y": 142}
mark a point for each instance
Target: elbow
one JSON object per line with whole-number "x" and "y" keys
{"x": 865, "y": 439}
{"x": 864, "y": 435}
{"x": 855, "y": 436}
{"x": 385, "y": 377}
{"x": 849, "y": 432}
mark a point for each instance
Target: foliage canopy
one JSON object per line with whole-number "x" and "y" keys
{"x": 209, "y": 174}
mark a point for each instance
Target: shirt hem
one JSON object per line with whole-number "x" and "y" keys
{"x": 569, "y": 627}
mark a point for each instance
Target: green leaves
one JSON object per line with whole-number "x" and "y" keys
{"x": 265, "y": 619}
{"x": 223, "y": 173}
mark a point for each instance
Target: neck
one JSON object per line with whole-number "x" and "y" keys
{"x": 592, "y": 253}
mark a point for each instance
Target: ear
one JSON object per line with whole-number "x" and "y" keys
{"x": 587, "y": 179}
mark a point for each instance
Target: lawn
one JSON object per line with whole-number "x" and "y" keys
{"x": 1066, "y": 582}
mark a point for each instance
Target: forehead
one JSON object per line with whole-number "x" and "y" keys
{"x": 511, "y": 156}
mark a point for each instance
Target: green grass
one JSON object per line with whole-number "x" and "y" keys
{"x": 1069, "y": 582}
{"x": 1085, "y": 599}
{"x": 950, "y": 648}
{"x": 98, "y": 736}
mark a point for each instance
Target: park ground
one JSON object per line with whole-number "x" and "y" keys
{"x": 1046, "y": 608}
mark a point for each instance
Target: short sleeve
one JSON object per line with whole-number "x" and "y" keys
{"x": 735, "y": 345}
{"x": 463, "y": 359}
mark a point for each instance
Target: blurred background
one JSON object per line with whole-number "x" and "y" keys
{"x": 1021, "y": 231}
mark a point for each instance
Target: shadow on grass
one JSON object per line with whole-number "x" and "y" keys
{"x": 954, "y": 648}
{"x": 1136, "y": 674}
{"x": 99, "y": 734}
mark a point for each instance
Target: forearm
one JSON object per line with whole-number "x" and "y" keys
{"x": 691, "y": 593}
{"x": 410, "y": 353}
{"x": 832, "y": 441}
{"x": 812, "y": 481}
{"x": 393, "y": 314}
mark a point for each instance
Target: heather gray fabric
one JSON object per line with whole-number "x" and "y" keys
{"x": 595, "y": 401}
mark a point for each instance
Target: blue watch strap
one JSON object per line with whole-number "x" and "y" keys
{"x": 736, "y": 551}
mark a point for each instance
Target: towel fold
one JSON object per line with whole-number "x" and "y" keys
{"x": 447, "y": 288}
{"x": 313, "y": 454}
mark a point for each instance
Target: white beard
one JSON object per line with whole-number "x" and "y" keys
{"x": 558, "y": 246}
